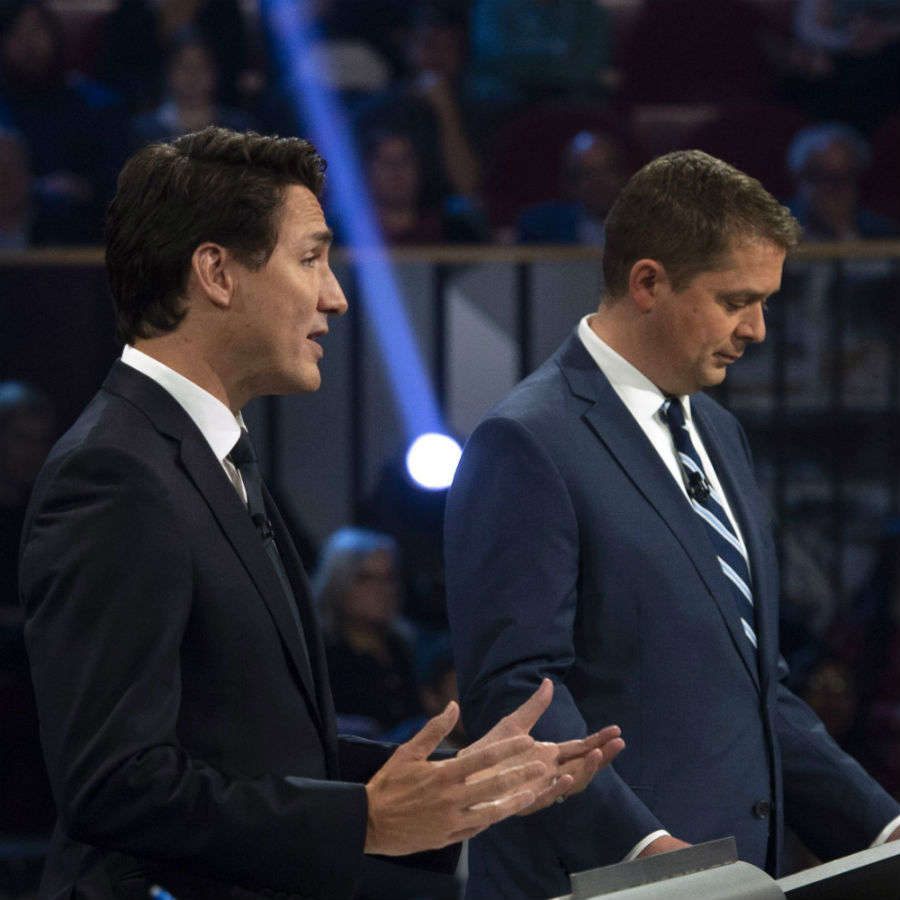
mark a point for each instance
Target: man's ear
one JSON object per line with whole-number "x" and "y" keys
{"x": 645, "y": 283}
{"x": 211, "y": 272}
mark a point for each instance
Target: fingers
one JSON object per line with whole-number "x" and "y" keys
{"x": 532, "y": 709}
{"x": 607, "y": 739}
{"x": 422, "y": 744}
{"x": 492, "y": 754}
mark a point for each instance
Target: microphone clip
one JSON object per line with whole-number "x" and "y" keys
{"x": 698, "y": 487}
{"x": 263, "y": 526}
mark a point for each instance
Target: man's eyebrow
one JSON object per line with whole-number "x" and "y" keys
{"x": 325, "y": 236}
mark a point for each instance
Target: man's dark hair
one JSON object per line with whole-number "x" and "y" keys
{"x": 213, "y": 185}
{"x": 685, "y": 210}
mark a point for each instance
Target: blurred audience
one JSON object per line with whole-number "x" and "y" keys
{"x": 527, "y": 50}
{"x": 428, "y": 102}
{"x": 845, "y": 60}
{"x": 191, "y": 97}
{"x": 407, "y": 209}
{"x": 595, "y": 167}
{"x": 437, "y": 685}
{"x": 137, "y": 33}
{"x": 73, "y": 128}
{"x": 828, "y": 163}
{"x": 369, "y": 649}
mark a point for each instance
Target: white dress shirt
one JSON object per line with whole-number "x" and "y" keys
{"x": 218, "y": 425}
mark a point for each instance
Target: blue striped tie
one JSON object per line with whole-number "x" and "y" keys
{"x": 710, "y": 507}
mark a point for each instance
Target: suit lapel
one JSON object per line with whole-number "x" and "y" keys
{"x": 617, "y": 429}
{"x": 205, "y": 471}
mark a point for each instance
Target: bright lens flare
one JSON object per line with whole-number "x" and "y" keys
{"x": 432, "y": 460}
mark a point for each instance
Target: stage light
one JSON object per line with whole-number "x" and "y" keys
{"x": 432, "y": 459}
{"x": 294, "y": 30}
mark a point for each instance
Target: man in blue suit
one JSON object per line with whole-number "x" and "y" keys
{"x": 604, "y": 530}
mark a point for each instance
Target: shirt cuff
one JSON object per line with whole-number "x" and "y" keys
{"x": 885, "y": 832}
{"x": 647, "y": 841}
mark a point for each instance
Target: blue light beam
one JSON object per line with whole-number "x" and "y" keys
{"x": 293, "y": 32}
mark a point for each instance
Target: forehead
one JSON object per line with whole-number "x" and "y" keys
{"x": 302, "y": 218}
{"x": 754, "y": 265}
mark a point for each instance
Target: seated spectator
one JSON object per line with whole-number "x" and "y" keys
{"x": 73, "y": 131}
{"x": 405, "y": 211}
{"x": 526, "y": 50}
{"x": 595, "y": 167}
{"x": 844, "y": 63}
{"x": 370, "y": 661}
{"x": 428, "y": 102}
{"x": 191, "y": 95}
{"x": 828, "y": 162}
{"x": 138, "y": 31}
{"x": 29, "y": 216}
{"x": 436, "y": 682}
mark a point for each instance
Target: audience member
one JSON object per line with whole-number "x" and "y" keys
{"x": 138, "y": 31}
{"x": 29, "y": 217}
{"x": 73, "y": 131}
{"x": 191, "y": 95}
{"x": 595, "y": 168}
{"x": 428, "y": 102}
{"x": 370, "y": 660}
{"x": 526, "y": 50}
{"x": 435, "y": 674}
{"x": 845, "y": 60}
{"x": 828, "y": 162}
{"x": 406, "y": 211}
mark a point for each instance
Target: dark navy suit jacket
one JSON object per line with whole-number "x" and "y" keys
{"x": 176, "y": 697}
{"x": 572, "y": 553}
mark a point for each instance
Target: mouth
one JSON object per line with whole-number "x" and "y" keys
{"x": 313, "y": 338}
{"x": 727, "y": 358}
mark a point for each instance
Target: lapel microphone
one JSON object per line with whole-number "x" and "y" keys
{"x": 263, "y": 526}
{"x": 698, "y": 487}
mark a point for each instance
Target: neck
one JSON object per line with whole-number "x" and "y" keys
{"x": 189, "y": 358}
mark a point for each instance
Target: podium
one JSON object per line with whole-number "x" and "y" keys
{"x": 712, "y": 871}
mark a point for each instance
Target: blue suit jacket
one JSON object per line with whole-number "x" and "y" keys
{"x": 572, "y": 553}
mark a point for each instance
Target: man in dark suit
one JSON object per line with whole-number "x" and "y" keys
{"x": 604, "y": 530}
{"x": 186, "y": 717}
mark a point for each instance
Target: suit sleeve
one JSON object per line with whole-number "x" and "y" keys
{"x": 512, "y": 556}
{"x": 107, "y": 586}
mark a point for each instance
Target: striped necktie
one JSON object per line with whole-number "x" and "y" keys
{"x": 709, "y": 505}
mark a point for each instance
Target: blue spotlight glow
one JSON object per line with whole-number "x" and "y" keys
{"x": 293, "y": 32}
{"x": 432, "y": 459}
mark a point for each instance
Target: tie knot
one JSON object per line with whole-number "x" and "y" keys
{"x": 243, "y": 451}
{"x": 673, "y": 412}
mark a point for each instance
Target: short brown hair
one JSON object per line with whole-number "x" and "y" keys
{"x": 685, "y": 210}
{"x": 212, "y": 185}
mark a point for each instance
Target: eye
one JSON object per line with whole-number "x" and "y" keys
{"x": 309, "y": 261}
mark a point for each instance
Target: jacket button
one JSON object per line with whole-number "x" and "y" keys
{"x": 761, "y": 809}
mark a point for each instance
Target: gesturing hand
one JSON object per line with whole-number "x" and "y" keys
{"x": 577, "y": 761}
{"x": 417, "y": 805}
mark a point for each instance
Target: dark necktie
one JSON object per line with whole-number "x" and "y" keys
{"x": 707, "y": 503}
{"x": 243, "y": 455}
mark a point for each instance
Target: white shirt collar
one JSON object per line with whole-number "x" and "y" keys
{"x": 642, "y": 397}
{"x": 218, "y": 425}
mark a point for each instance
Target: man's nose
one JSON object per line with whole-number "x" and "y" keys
{"x": 752, "y": 327}
{"x": 331, "y": 297}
